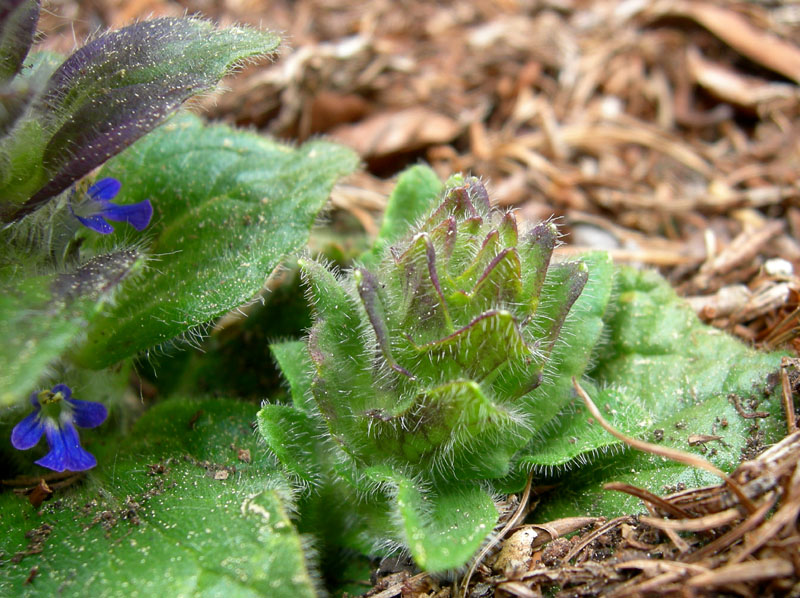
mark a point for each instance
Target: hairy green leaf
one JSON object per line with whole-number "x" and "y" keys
{"x": 229, "y": 206}
{"x": 662, "y": 376}
{"x": 42, "y": 317}
{"x": 296, "y": 366}
{"x": 413, "y": 196}
{"x": 174, "y": 509}
{"x": 443, "y": 526}
{"x": 445, "y": 369}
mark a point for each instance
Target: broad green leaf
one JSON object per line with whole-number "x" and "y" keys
{"x": 580, "y": 490}
{"x": 174, "y": 509}
{"x": 229, "y": 206}
{"x": 443, "y": 526}
{"x": 108, "y": 94}
{"x": 235, "y": 359}
{"x": 414, "y": 195}
{"x": 661, "y": 374}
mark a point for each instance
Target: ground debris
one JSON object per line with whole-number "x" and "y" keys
{"x": 728, "y": 550}
{"x": 664, "y": 132}
{"x": 36, "y": 540}
{"x": 723, "y": 549}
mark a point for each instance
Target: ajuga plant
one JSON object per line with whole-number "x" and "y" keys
{"x": 217, "y": 208}
{"x": 125, "y": 225}
{"x": 438, "y": 374}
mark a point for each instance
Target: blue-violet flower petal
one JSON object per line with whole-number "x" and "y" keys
{"x": 55, "y": 416}
{"x": 27, "y": 433}
{"x": 66, "y": 452}
{"x": 88, "y": 414}
{"x": 104, "y": 189}
{"x": 96, "y": 209}
{"x": 138, "y": 215}
{"x": 96, "y": 223}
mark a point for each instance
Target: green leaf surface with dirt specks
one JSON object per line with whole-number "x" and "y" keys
{"x": 185, "y": 505}
{"x": 662, "y": 376}
{"x": 228, "y": 207}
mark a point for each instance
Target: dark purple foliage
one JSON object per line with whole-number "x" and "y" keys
{"x": 119, "y": 87}
{"x": 18, "y": 20}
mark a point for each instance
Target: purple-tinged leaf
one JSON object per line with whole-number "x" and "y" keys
{"x": 18, "y": 20}
{"x": 423, "y": 301}
{"x": 102, "y": 128}
{"x": 368, "y": 291}
{"x": 536, "y": 250}
{"x": 115, "y": 89}
{"x": 566, "y": 282}
{"x": 96, "y": 277}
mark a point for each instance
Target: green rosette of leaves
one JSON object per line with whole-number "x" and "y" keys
{"x": 438, "y": 374}
{"x": 425, "y": 362}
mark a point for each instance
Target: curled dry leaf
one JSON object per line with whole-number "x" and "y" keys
{"x": 396, "y": 132}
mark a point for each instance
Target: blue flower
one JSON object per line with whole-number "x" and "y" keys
{"x": 55, "y": 415}
{"x": 96, "y": 209}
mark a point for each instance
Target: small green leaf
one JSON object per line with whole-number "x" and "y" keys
{"x": 444, "y": 526}
{"x": 174, "y": 509}
{"x": 229, "y": 206}
{"x": 291, "y": 436}
{"x": 293, "y": 359}
{"x": 414, "y": 195}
